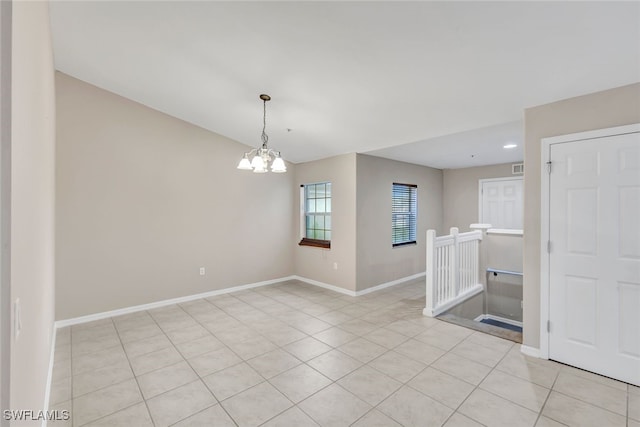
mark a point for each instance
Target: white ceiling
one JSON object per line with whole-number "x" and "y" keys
{"x": 353, "y": 76}
{"x": 478, "y": 147}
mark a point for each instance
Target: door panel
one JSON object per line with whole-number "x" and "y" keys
{"x": 581, "y": 308}
{"x": 582, "y": 221}
{"x": 594, "y": 264}
{"x": 629, "y": 225}
{"x": 629, "y": 319}
{"x": 502, "y": 203}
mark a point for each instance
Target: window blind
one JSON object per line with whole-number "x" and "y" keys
{"x": 404, "y": 214}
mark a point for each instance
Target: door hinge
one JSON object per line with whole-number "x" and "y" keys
{"x": 549, "y": 167}
{"x": 548, "y": 325}
{"x": 548, "y": 246}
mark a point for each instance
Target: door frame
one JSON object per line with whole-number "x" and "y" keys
{"x": 6, "y": 13}
{"x": 545, "y": 193}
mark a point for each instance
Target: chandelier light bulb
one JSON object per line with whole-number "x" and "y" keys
{"x": 257, "y": 162}
{"x": 278, "y": 165}
{"x": 245, "y": 164}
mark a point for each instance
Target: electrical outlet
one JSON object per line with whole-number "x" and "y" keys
{"x": 202, "y": 271}
{"x": 335, "y": 265}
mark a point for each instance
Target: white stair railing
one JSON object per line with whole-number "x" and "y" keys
{"x": 452, "y": 269}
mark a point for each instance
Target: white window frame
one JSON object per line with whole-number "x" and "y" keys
{"x": 303, "y": 215}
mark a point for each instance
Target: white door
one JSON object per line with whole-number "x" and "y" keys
{"x": 501, "y": 202}
{"x": 594, "y": 260}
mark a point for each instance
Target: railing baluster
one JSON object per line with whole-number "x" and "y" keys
{"x": 452, "y": 269}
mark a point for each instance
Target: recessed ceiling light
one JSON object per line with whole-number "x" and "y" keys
{"x": 510, "y": 146}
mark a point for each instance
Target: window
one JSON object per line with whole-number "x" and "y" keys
{"x": 404, "y": 214}
{"x": 315, "y": 223}
{"x": 501, "y": 203}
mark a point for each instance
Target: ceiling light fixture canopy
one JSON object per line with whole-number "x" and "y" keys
{"x": 263, "y": 157}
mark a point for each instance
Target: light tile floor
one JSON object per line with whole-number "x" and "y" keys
{"x": 295, "y": 355}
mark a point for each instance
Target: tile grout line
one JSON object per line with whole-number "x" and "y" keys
{"x": 186, "y": 361}
{"x": 376, "y": 307}
{"x": 243, "y": 361}
{"x": 595, "y": 382}
{"x": 131, "y": 366}
{"x": 101, "y": 388}
{"x": 296, "y": 405}
{"x": 305, "y": 362}
{"x": 477, "y": 386}
{"x": 406, "y": 383}
{"x": 403, "y": 383}
{"x": 230, "y": 349}
{"x": 231, "y": 315}
{"x": 547, "y": 399}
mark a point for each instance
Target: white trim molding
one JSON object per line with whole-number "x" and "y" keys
{"x": 531, "y": 351}
{"x": 325, "y": 286}
{"x": 47, "y": 390}
{"x": 391, "y": 283}
{"x": 510, "y": 231}
{"x": 157, "y": 304}
{"x": 364, "y": 291}
{"x": 163, "y": 303}
{"x": 545, "y": 190}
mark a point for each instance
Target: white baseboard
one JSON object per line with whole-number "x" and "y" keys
{"x": 391, "y": 283}
{"x": 47, "y": 391}
{"x": 498, "y": 319}
{"x": 325, "y": 286}
{"x": 530, "y": 351}
{"x": 364, "y": 291}
{"x": 157, "y": 304}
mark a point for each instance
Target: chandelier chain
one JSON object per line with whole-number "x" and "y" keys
{"x": 265, "y": 137}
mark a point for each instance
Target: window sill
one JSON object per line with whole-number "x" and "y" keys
{"x": 326, "y": 244}
{"x": 510, "y": 231}
{"x": 399, "y": 245}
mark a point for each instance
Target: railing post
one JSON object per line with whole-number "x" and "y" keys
{"x": 430, "y": 273}
{"x": 476, "y": 257}
{"x": 455, "y": 265}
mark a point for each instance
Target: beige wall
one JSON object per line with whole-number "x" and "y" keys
{"x": 614, "y": 107}
{"x": 378, "y": 262}
{"x": 460, "y": 202}
{"x": 460, "y": 195}
{"x": 317, "y": 263}
{"x": 144, "y": 200}
{"x": 32, "y": 201}
{"x": 502, "y": 252}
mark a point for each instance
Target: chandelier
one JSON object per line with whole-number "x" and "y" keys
{"x": 263, "y": 156}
